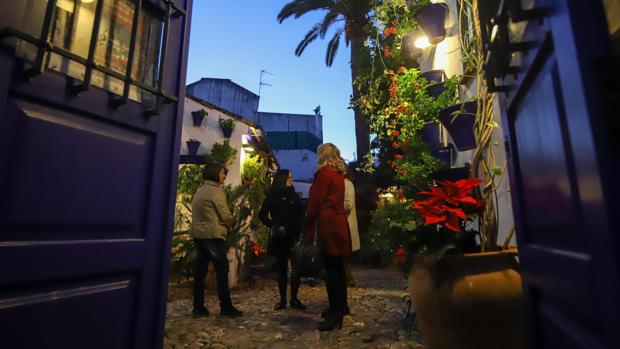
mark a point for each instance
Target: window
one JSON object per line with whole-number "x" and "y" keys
{"x": 122, "y": 41}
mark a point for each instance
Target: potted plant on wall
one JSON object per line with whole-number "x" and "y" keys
{"x": 227, "y": 125}
{"x": 198, "y": 116}
{"x": 192, "y": 146}
{"x": 431, "y": 18}
{"x": 459, "y": 120}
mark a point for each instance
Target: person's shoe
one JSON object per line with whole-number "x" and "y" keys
{"x": 200, "y": 311}
{"x": 280, "y": 305}
{"x": 230, "y": 310}
{"x": 327, "y": 311}
{"x": 332, "y": 321}
{"x": 297, "y": 304}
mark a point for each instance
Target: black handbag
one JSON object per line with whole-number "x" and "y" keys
{"x": 307, "y": 258}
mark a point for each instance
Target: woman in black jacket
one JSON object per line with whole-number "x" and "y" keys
{"x": 282, "y": 212}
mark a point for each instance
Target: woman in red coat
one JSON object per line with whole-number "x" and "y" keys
{"x": 325, "y": 213}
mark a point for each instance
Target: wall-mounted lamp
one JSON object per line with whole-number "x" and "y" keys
{"x": 422, "y": 42}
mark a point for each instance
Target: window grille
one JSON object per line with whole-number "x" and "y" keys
{"x": 118, "y": 45}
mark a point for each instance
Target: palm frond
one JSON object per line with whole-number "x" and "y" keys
{"x": 310, "y": 37}
{"x": 328, "y": 20}
{"x": 332, "y": 48}
{"x": 298, "y": 8}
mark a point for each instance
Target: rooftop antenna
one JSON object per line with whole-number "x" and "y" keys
{"x": 261, "y": 83}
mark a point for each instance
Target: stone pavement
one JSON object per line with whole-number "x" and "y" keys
{"x": 377, "y": 320}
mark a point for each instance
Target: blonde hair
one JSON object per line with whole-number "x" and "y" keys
{"x": 328, "y": 154}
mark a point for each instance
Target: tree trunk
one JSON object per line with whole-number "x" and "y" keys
{"x": 362, "y": 130}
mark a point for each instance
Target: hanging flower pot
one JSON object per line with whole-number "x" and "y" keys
{"x": 198, "y": 116}
{"x": 192, "y": 146}
{"x": 430, "y": 134}
{"x": 436, "y": 77}
{"x": 443, "y": 154}
{"x": 432, "y": 19}
{"x": 227, "y": 126}
{"x": 459, "y": 120}
{"x": 451, "y": 174}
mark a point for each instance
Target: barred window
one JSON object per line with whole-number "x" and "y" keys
{"x": 122, "y": 41}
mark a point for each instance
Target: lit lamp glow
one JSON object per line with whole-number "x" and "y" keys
{"x": 422, "y": 42}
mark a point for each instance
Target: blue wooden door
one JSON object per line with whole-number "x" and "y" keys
{"x": 553, "y": 64}
{"x": 91, "y": 96}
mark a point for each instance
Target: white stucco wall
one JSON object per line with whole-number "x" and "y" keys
{"x": 210, "y": 132}
{"x": 301, "y": 162}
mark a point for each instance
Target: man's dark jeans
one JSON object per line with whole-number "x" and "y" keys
{"x": 211, "y": 250}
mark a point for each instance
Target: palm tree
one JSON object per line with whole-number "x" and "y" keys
{"x": 355, "y": 16}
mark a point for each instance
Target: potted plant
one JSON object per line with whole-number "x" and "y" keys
{"x": 227, "y": 125}
{"x": 457, "y": 292}
{"x": 459, "y": 120}
{"x": 436, "y": 79}
{"x": 430, "y": 134}
{"x": 431, "y": 18}
{"x": 192, "y": 146}
{"x": 222, "y": 153}
{"x": 198, "y": 116}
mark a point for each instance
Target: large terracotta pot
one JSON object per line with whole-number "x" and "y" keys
{"x": 469, "y": 301}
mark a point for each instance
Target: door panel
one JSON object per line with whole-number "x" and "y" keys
{"x": 551, "y": 60}
{"x": 88, "y": 161}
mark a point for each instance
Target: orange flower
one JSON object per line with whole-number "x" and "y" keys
{"x": 387, "y": 51}
{"x": 390, "y": 31}
{"x": 396, "y": 133}
{"x": 401, "y": 70}
{"x": 401, "y": 109}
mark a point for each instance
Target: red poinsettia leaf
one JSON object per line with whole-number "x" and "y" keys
{"x": 456, "y": 212}
{"x": 452, "y": 223}
{"x": 469, "y": 200}
{"x": 432, "y": 219}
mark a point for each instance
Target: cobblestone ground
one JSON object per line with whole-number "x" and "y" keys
{"x": 377, "y": 320}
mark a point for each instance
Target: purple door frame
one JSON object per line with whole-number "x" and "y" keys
{"x": 558, "y": 118}
{"x": 87, "y": 195}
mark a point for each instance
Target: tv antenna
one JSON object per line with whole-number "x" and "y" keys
{"x": 261, "y": 83}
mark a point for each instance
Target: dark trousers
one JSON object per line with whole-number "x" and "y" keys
{"x": 282, "y": 270}
{"x": 211, "y": 250}
{"x": 336, "y": 283}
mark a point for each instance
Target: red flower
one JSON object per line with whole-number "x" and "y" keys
{"x": 401, "y": 195}
{"x": 446, "y": 203}
{"x": 257, "y": 249}
{"x": 401, "y": 70}
{"x": 400, "y": 255}
{"x": 390, "y": 31}
{"x": 387, "y": 51}
{"x": 394, "y": 144}
{"x": 398, "y": 156}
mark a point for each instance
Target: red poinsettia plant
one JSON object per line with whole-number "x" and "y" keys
{"x": 448, "y": 203}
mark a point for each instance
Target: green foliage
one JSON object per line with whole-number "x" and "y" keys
{"x": 226, "y": 123}
{"x": 255, "y": 175}
{"x": 390, "y": 227}
{"x": 222, "y": 153}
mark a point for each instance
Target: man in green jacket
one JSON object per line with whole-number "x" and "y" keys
{"x": 211, "y": 220}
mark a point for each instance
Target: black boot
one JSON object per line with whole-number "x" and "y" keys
{"x": 200, "y": 311}
{"x": 297, "y": 304}
{"x": 326, "y": 311}
{"x": 280, "y": 305}
{"x": 332, "y": 320}
{"x": 230, "y": 310}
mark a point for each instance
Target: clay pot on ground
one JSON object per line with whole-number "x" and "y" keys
{"x": 469, "y": 301}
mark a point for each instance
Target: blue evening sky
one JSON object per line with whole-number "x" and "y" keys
{"x": 235, "y": 39}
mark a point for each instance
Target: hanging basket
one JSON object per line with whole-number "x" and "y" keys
{"x": 192, "y": 146}
{"x": 437, "y": 78}
{"x": 443, "y": 154}
{"x": 451, "y": 174}
{"x": 430, "y": 134}
{"x": 459, "y": 121}
{"x": 198, "y": 116}
{"x": 227, "y": 132}
{"x": 432, "y": 19}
